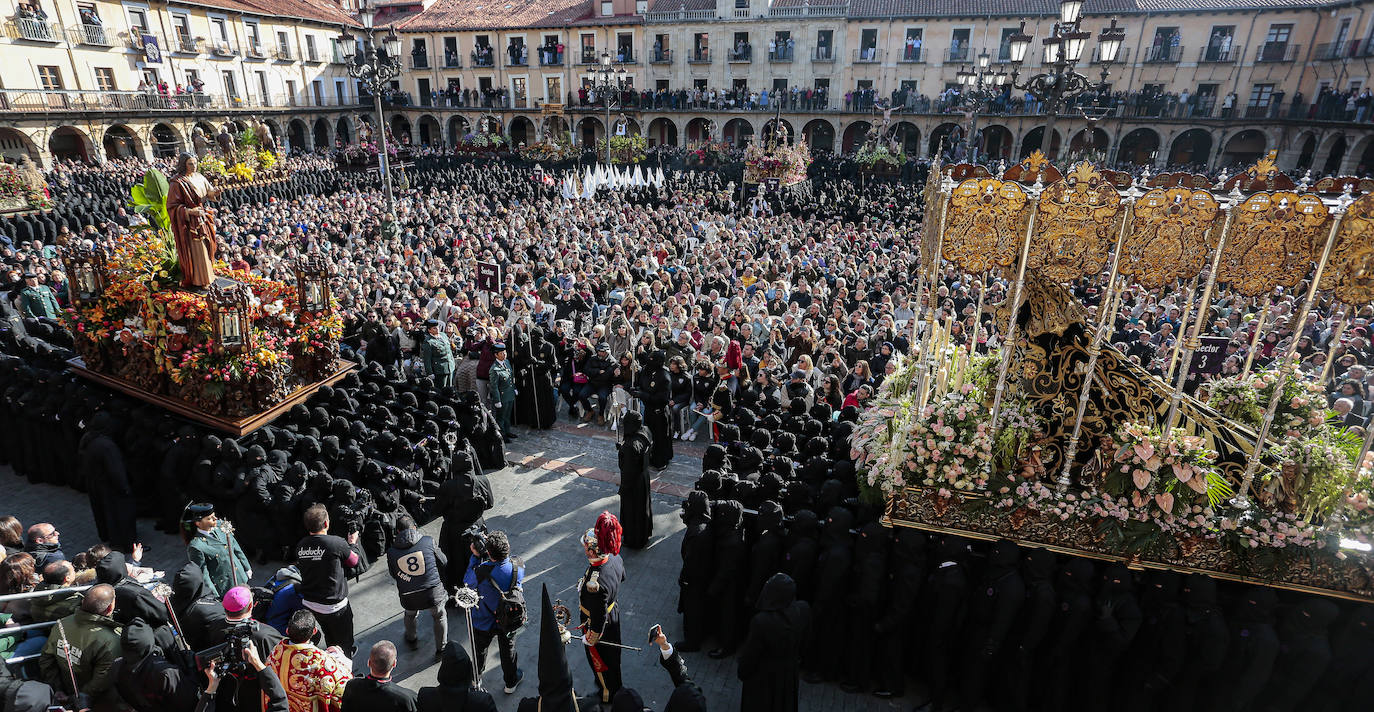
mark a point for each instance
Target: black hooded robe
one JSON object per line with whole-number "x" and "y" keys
{"x": 698, "y": 564}
{"x": 455, "y": 692}
{"x": 107, "y": 482}
{"x": 654, "y": 389}
{"x": 769, "y": 661}
{"x": 636, "y": 509}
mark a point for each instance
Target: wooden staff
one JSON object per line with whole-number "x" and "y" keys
{"x": 928, "y": 343}
{"x": 1335, "y": 343}
{"x": 1008, "y": 344}
{"x": 1242, "y": 500}
{"x": 1255, "y": 337}
{"x": 1178, "y": 338}
{"x": 1095, "y": 346}
{"x": 1194, "y": 338}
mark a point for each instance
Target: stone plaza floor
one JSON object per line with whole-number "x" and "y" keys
{"x": 559, "y": 481}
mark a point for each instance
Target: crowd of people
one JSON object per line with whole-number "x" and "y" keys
{"x": 692, "y": 311}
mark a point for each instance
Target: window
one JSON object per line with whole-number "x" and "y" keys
{"x": 1164, "y": 47}
{"x": 451, "y": 52}
{"x": 701, "y": 47}
{"x": 317, "y": 91}
{"x": 221, "y": 31}
{"x": 254, "y": 37}
{"x": 868, "y": 45}
{"x": 340, "y": 90}
{"x": 641, "y": 6}
{"x": 51, "y": 77}
{"x": 825, "y": 44}
{"x": 589, "y": 49}
{"x": 779, "y": 85}
{"x": 310, "y": 52}
{"x": 150, "y": 76}
{"x": 660, "y": 85}
{"x": 138, "y": 21}
{"x": 230, "y": 88}
{"x": 1275, "y": 47}
{"x": 192, "y": 79}
{"x": 782, "y": 46}
{"x": 911, "y": 47}
{"x": 625, "y": 47}
{"x": 959, "y": 44}
{"x": 553, "y": 89}
{"x": 699, "y": 84}
{"x": 1261, "y": 96}
{"x": 105, "y": 79}
{"x": 607, "y": 8}
{"x": 909, "y": 86}
{"x": 419, "y": 52}
{"x": 740, "y": 49}
{"x": 1219, "y": 44}
{"x": 422, "y": 88}
{"x": 741, "y": 4}
{"x": 661, "y": 50}
{"x": 291, "y": 92}
{"x": 1004, "y": 45}
{"x": 519, "y": 92}
{"x": 262, "y": 85}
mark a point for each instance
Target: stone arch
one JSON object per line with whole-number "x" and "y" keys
{"x": 1032, "y": 140}
{"x": 430, "y": 131}
{"x": 553, "y": 128}
{"x": 662, "y": 132}
{"x": 1244, "y": 148}
{"x": 1329, "y": 153}
{"x": 699, "y": 130}
{"x": 70, "y": 143}
{"x": 1191, "y": 147}
{"x": 521, "y": 131}
{"x": 400, "y": 129}
{"x": 820, "y": 135}
{"x": 343, "y": 130}
{"x": 1087, "y": 144}
{"x": 737, "y": 132}
{"x": 589, "y": 129}
{"x": 15, "y": 144}
{"x": 458, "y": 127}
{"x": 997, "y": 142}
{"x": 854, "y": 136}
{"x": 1307, "y": 150}
{"x": 1359, "y": 160}
{"x": 946, "y": 133}
{"x": 166, "y": 140}
{"x": 321, "y": 134}
{"x": 767, "y": 133}
{"x": 909, "y": 136}
{"x": 209, "y": 129}
{"x": 121, "y": 142}
{"x": 297, "y": 135}
{"x": 1138, "y": 147}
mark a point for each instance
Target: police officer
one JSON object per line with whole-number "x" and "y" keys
{"x": 214, "y": 549}
{"x": 501, "y": 381}
{"x": 37, "y": 300}
{"x": 437, "y": 355}
{"x": 598, "y": 591}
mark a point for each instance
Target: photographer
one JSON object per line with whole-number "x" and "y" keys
{"x": 492, "y": 571}
{"x": 272, "y": 690}
{"x": 417, "y": 565}
{"x": 325, "y": 563}
{"x": 238, "y": 630}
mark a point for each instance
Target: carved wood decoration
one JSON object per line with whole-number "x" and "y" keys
{"x": 86, "y": 275}
{"x": 1180, "y": 180}
{"x": 964, "y": 171}
{"x": 1336, "y": 186}
{"x": 985, "y": 225}
{"x": 1171, "y": 236}
{"x": 1034, "y": 167}
{"x": 230, "y": 320}
{"x": 1264, "y": 175}
{"x": 1076, "y": 227}
{"x": 1350, "y": 271}
{"x": 312, "y": 283}
{"x": 1271, "y": 241}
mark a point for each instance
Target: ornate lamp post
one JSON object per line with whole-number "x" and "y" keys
{"x": 375, "y": 65}
{"x": 1063, "y": 50}
{"x": 980, "y": 86}
{"x": 610, "y": 79}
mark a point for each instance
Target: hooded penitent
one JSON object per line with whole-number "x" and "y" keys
{"x": 555, "y": 679}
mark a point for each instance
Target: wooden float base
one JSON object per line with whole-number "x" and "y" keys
{"x": 237, "y": 427}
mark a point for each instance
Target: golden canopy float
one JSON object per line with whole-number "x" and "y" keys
{"x": 233, "y": 355}
{"x": 1057, "y": 440}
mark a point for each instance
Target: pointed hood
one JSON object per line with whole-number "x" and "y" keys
{"x": 455, "y": 670}
{"x": 777, "y": 594}
{"x": 188, "y": 586}
{"x": 555, "y": 680}
{"x": 111, "y": 569}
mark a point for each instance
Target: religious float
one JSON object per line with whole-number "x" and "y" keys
{"x": 1058, "y": 440}
{"x": 23, "y": 188}
{"x": 777, "y": 164}
{"x": 239, "y": 157}
{"x": 161, "y": 320}
{"x": 881, "y": 154}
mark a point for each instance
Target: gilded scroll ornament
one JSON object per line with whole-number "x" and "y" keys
{"x": 986, "y": 221}
{"x": 1169, "y": 236}
{"x": 1270, "y": 243}
{"x": 1076, "y": 226}
{"x": 1350, "y": 272}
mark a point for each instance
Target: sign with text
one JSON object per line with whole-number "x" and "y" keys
{"x": 1210, "y": 354}
{"x": 488, "y": 276}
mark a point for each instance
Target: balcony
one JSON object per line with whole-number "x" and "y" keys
{"x": 224, "y": 49}
{"x": 868, "y": 55}
{"x": 452, "y": 61}
{"x": 741, "y": 56}
{"x": 187, "y": 45}
{"x": 1216, "y": 55}
{"x": 34, "y": 29}
{"x": 681, "y": 15}
{"x": 337, "y": 56}
{"x": 515, "y": 59}
{"x": 588, "y": 58}
{"x": 419, "y": 61}
{"x": 1258, "y": 111}
{"x": 312, "y": 55}
{"x": 255, "y": 51}
{"x": 912, "y": 55}
{"x": 1330, "y": 51}
{"x": 701, "y": 56}
{"x": 1277, "y": 52}
{"x": 663, "y": 56}
{"x": 782, "y": 56}
{"x": 822, "y": 54}
{"x": 133, "y": 39}
{"x": 41, "y": 101}
{"x": 1163, "y": 54}
{"x": 284, "y": 54}
{"x": 626, "y": 56}
{"x": 483, "y": 60}
{"x": 550, "y": 58}
{"x": 808, "y": 10}
{"x": 1123, "y": 56}
{"x": 90, "y": 35}
{"x": 956, "y": 55}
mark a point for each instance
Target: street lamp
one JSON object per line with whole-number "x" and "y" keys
{"x": 610, "y": 79}
{"x": 980, "y": 87}
{"x": 375, "y": 64}
{"x": 1063, "y": 50}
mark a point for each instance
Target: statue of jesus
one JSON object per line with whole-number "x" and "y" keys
{"x": 193, "y": 223}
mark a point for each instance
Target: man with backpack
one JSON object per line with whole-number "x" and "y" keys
{"x": 417, "y": 564}
{"x": 498, "y": 579}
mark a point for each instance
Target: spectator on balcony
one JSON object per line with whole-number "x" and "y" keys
{"x": 1227, "y": 105}
{"x": 791, "y": 45}
{"x": 773, "y": 49}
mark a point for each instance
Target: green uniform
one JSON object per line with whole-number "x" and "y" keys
{"x": 94, "y": 645}
{"x": 501, "y": 381}
{"x": 38, "y": 301}
{"x": 222, "y": 562}
{"x": 438, "y": 357}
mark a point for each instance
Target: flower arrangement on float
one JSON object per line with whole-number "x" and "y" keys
{"x": 787, "y": 163}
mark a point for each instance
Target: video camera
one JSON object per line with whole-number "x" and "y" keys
{"x": 227, "y": 657}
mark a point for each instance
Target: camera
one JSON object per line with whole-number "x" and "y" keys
{"x": 227, "y": 657}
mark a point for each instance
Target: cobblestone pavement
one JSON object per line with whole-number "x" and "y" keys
{"x": 560, "y": 480}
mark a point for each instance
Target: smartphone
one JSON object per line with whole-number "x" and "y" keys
{"x": 654, "y": 632}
